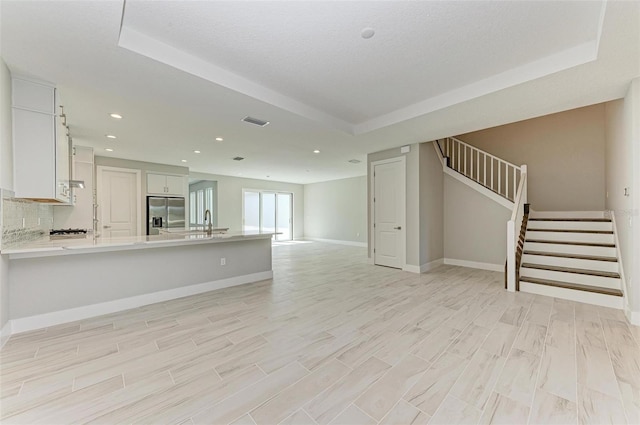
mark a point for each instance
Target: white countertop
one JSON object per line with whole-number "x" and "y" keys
{"x": 45, "y": 247}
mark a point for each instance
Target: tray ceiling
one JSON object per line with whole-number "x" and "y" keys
{"x": 309, "y": 57}
{"x": 185, "y": 73}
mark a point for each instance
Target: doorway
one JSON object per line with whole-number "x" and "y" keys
{"x": 388, "y": 212}
{"x": 268, "y": 211}
{"x": 119, "y": 197}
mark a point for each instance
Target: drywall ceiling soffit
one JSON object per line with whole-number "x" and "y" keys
{"x": 329, "y": 74}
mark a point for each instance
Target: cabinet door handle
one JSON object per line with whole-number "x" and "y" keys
{"x": 106, "y": 227}
{"x": 398, "y": 228}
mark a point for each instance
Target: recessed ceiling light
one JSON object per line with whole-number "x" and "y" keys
{"x": 184, "y": 160}
{"x": 219, "y": 139}
{"x": 110, "y": 136}
{"x": 108, "y": 149}
{"x": 116, "y": 116}
{"x": 316, "y": 151}
{"x": 196, "y": 151}
{"x": 367, "y": 33}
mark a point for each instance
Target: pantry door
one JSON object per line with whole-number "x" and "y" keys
{"x": 119, "y": 202}
{"x": 389, "y": 212}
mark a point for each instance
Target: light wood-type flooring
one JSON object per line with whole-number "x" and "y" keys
{"x": 333, "y": 340}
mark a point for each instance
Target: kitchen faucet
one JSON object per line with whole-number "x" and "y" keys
{"x": 209, "y": 229}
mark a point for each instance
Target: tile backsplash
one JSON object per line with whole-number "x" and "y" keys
{"x": 24, "y": 220}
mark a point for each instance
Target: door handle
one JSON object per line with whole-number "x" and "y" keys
{"x": 398, "y": 228}
{"x": 106, "y": 227}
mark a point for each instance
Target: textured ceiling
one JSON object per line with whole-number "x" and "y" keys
{"x": 312, "y": 52}
{"x": 183, "y": 73}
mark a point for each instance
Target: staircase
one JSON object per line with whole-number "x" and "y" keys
{"x": 571, "y": 256}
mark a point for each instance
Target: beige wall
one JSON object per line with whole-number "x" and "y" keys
{"x": 336, "y": 210}
{"x": 475, "y": 227}
{"x": 230, "y": 199}
{"x": 431, "y": 205}
{"x": 623, "y": 171}
{"x": 564, "y": 153}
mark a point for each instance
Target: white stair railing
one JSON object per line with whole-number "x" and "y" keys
{"x": 513, "y": 229}
{"x": 495, "y": 174}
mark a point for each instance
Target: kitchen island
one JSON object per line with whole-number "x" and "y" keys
{"x": 60, "y": 281}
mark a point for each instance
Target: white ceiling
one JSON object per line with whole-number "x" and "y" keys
{"x": 182, "y": 73}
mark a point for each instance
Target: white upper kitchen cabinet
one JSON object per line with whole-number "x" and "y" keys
{"x": 81, "y": 214}
{"x": 63, "y": 157}
{"x": 40, "y": 143}
{"x": 165, "y": 184}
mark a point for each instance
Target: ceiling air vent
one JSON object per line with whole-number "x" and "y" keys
{"x": 354, "y": 161}
{"x": 238, "y": 158}
{"x": 255, "y": 121}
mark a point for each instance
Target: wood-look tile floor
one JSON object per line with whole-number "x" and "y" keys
{"x": 333, "y": 340}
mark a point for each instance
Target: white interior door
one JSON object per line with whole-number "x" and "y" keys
{"x": 388, "y": 213}
{"x": 119, "y": 202}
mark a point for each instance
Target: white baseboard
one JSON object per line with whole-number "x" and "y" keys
{"x": 423, "y": 267}
{"x": 431, "y": 265}
{"x": 474, "y": 264}
{"x": 632, "y": 316}
{"x": 79, "y": 313}
{"x": 5, "y": 333}
{"x": 410, "y": 268}
{"x": 339, "y": 242}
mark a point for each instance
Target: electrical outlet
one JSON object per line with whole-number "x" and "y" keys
{"x": 223, "y": 261}
{"x": 24, "y": 222}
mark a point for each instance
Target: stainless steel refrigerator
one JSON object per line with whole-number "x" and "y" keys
{"x": 164, "y": 213}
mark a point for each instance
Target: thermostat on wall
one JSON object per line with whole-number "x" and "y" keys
{"x": 405, "y": 149}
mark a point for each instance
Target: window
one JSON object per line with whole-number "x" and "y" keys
{"x": 268, "y": 211}
{"x": 201, "y": 199}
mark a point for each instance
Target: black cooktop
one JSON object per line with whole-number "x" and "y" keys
{"x": 68, "y": 232}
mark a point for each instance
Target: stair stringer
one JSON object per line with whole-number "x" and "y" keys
{"x": 479, "y": 188}
{"x": 471, "y": 183}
